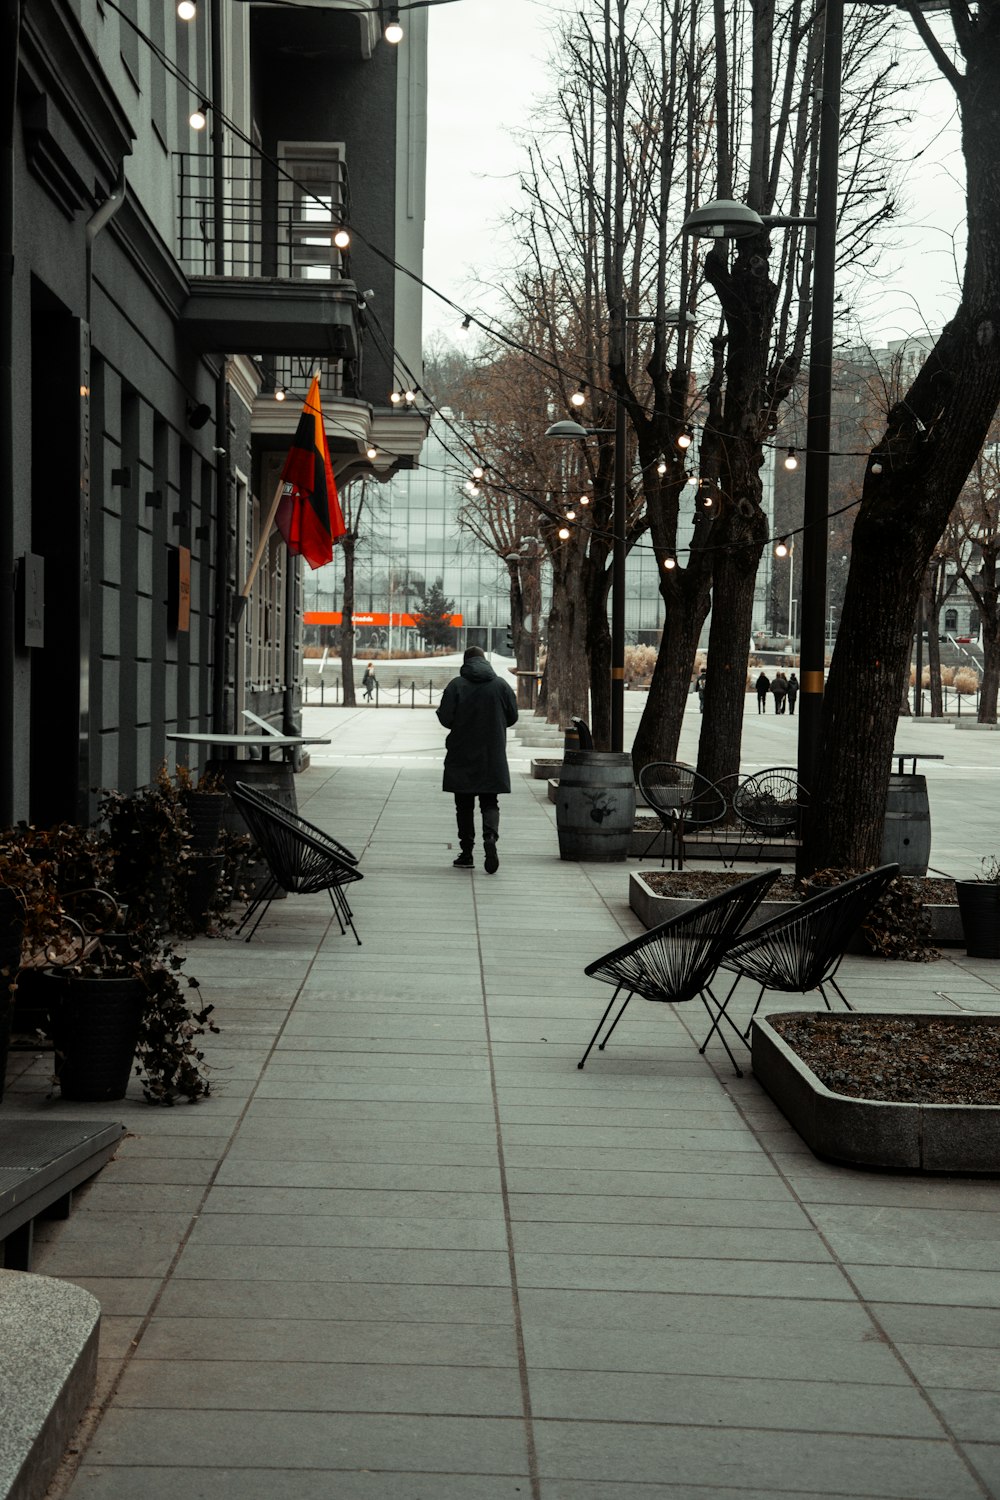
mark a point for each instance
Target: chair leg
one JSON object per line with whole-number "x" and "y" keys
{"x": 342, "y": 911}
{"x": 607, "y": 1035}
{"x": 720, "y": 1015}
{"x": 720, "y": 1011}
{"x": 839, "y": 991}
{"x": 756, "y": 1008}
{"x": 263, "y": 900}
{"x": 597, "y": 1031}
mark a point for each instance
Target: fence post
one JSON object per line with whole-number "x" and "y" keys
{"x": 413, "y": 695}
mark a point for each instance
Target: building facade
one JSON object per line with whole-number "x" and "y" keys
{"x": 168, "y": 282}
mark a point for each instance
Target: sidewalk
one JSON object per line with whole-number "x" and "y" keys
{"x": 408, "y": 1250}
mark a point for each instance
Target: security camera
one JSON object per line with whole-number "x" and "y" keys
{"x": 369, "y": 296}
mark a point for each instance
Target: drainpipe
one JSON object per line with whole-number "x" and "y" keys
{"x": 11, "y": 30}
{"x": 103, "y": 215}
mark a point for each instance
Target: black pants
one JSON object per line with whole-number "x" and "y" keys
{"x": 761, "y": 703}
{"x": 465, "y": 813}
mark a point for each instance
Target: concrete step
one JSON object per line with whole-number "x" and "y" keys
{"x": 48, "y": 1366}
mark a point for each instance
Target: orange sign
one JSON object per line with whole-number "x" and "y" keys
{"x": 335, "y": 617}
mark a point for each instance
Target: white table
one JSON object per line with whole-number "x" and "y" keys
{"x": 265, "y": 743}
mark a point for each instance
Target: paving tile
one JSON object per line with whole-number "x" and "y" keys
{"x": 272, "y": 1340}
{"x": 955, "y": 1367}
{"x": 915, "y": 1284}
{"x": 761, "y": 1317}
{"x": 96, "y": 1482}
{"x": 973, "y": 1416}
{"x": 676, "y": 1209}
{"x": 719, "y": 1401}
{"x": 296, "y": 1203}
{"x": 383, "y": 1231}
{"x": 393, "y": 1302}
{"x": 771, "y": 1461}
{"x": 331, "y": 1263}
{"x": 283, "y": 1172}
{"x": 309, "y": 1440}
{"x": 670, "y": 1242}
{"x": 632, "y": 1273}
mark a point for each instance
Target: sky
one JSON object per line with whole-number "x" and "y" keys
{"x": 486, "y": 69}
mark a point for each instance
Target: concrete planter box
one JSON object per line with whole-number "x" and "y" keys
{"x": 874, "y": 1132}
{"x": 652, "y": 908}
{"x": 545, "y": 767}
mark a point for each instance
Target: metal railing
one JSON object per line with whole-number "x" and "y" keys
{"x": 272, "y": 223}
{"x": 317, "y": 691}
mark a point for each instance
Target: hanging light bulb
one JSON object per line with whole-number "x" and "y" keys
{"x": 466, "y": 325}
{"x": 579, "y": 396}
{"x": 685, "y": 438}
{"x": 342, "y": 238}
{"x": 781, "y": 550}
{"x": 198, "y": 118}
{"x": 372, "y": 451}
{"x": 661, "y": 467}
{"x": 791, "y": 462}
{"x": 708, "y": 502}
{"x": 670, "y": 562}
{"x": 393, "y": 29}
{"x": 571, "y": 515}
{"x": 478, "y": 472}
{"x": 584, "y": 499}
{"x": 187, "y": 10}
{"x": 409, "y": 397}
{"x": 280, "y": 392}
{"x": 876, "y": 467}
{"x": 395, "y": 397}
{"x": 564, "y": 533}
{"x": 470, "y": 488}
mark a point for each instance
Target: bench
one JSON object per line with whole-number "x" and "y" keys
{"x": 41, "y": 1162}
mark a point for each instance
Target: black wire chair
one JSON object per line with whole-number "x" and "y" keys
{"x": 684, "y": 803}
{"x": 769, "y": 805}
{"x": 677, "y": 960}
{"x": 300, "y": 858}
{"x": 802, "y": 950}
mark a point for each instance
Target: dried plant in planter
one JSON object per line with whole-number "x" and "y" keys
{"x": 898, "y": 926}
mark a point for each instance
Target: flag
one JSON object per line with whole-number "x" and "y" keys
{"x": 309, "y": 515}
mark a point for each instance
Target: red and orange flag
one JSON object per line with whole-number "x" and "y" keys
{"x": 309, "y": 515}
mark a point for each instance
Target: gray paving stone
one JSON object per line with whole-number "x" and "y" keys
{"x": 469, "y": 1233}
{"x": 215, "y": 1482}
{"x": 954, "y": 1367}
{"x": 391, "y": 1302}
{"x": 274, "y": 1340}
{"x": 670, "y": 1242}
{"x": 677, "y": 1210}
{"x": 734, "y": 1278}
{"x": 654, "y": 1183}
{"x": 686, "y": 1313}
{"x": 283, "y": 1172}
{"x": 331, "y": 1263}
{"x": 718, "y": 1400}
{"x": 299, "y": 1202}
{"x": 771, "y": 1461}
{"x": 973, "y": 1416}
{"x": 915, "y": 1284}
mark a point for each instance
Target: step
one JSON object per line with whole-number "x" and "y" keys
{"x": 48, "y": 1366}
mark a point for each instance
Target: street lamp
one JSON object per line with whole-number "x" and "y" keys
{"x": 570, "y": 429}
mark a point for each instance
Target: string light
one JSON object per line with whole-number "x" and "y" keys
{"x": 670, "y": 562}
{"x": 393, "y": 29}
{"x": 685, "y": 438}
{"x": 466, "y": 325}
{"x": 372, "y": 451}
{"x": 564, "y": 533}
{"x": 478, "y": 472}
{"x": 471, "y": 489}
{"x": 579, "y": 396}
{"x": 571, "y": 515}
{"x": 187, "y": 10}
{"x": 791, "y": 462}
{"x": 409, "y": 396}
{"x": 342, "y": 238}
{"x": 395, "y": 397}
{"x": 280, "y": 392}
{"x": 198, "y": 118}
{"x": 876, "y": 467}
{"x": 781, "y": 550}
{"x": 584, "y": 499}
{"x": 661, "y": 467}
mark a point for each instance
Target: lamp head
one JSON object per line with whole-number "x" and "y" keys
{"x": 724, "y": 218}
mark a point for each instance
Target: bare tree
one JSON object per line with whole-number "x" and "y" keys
{"x": 914, "y": 476}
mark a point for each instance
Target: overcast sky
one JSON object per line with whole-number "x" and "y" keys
{"x": 486, "y": 67}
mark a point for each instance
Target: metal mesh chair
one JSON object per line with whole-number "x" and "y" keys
{"x": 769, "y": 805}
{"x": 300, "y": 858}
{"x": 802, "y": 950}
{"x": 684, "y": 803}
{"x": 677, "y": 960}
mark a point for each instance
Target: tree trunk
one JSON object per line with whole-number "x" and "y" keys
{"x": 991, "y": 671}
{"x": 728, "y": 654}
{"x": 685, "y": 601}
{"x": 598, "y": 588}
{"x": 933, "y": 653}
{"x": 347, "y": 545}
{"x": 566, "y": 667}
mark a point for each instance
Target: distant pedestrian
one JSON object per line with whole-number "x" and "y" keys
{"x": 793, "y": 692}
{"x": 699, "y": 688}
{"x": 368, "y": 681}
{"x": 779, "y": 687}
{"x": 763, "y": 686}
{"x": 477, "y": 707}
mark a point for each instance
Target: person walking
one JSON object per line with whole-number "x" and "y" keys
{"x": 368, "y": 681}
{"x": 793, "y": 692}
{"x": 699, "y": 688}
{"x": 779, "y": 687}
{"x": 477, "y": 709}
{"x": 763, "y": 686}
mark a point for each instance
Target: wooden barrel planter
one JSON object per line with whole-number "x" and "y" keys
{"x": 595, "y": 805}
{"x": 94, "y": 1024}
{"x": 906, "y": 837}
{"x": 205, "y": 812}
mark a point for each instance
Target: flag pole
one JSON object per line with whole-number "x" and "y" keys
{"x": 243, "y": 597}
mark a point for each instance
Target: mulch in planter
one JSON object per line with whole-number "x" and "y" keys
{"x": 903, "y": 1060}
{"x": 699, "y": 885}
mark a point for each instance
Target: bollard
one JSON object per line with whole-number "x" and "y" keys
{"x": 413, "y": 695}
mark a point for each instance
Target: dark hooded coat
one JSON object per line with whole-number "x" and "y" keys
{"x": 477, "y": 708}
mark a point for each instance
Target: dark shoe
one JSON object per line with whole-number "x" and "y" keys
{"x": 492, "y": 860}
{"x": 464, "y": 861}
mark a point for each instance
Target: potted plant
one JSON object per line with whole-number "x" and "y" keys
{"x": 979, "y": 905}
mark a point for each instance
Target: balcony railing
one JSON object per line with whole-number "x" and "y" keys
{"x": 273, "y": 224}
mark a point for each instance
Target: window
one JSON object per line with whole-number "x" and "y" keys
{"x": 312, "y": 205}
{"x": 951, "y": 619}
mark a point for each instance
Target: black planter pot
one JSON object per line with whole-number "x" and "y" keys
{"x": 94, "y": 1025}
{"x": 206, "y": 811}
{"x": 201, "y": 883}
{"x": 979, "y": 904}
{"x": 11, "y": 936}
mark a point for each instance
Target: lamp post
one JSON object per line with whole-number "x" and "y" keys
{"x": 570, "y": 429}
